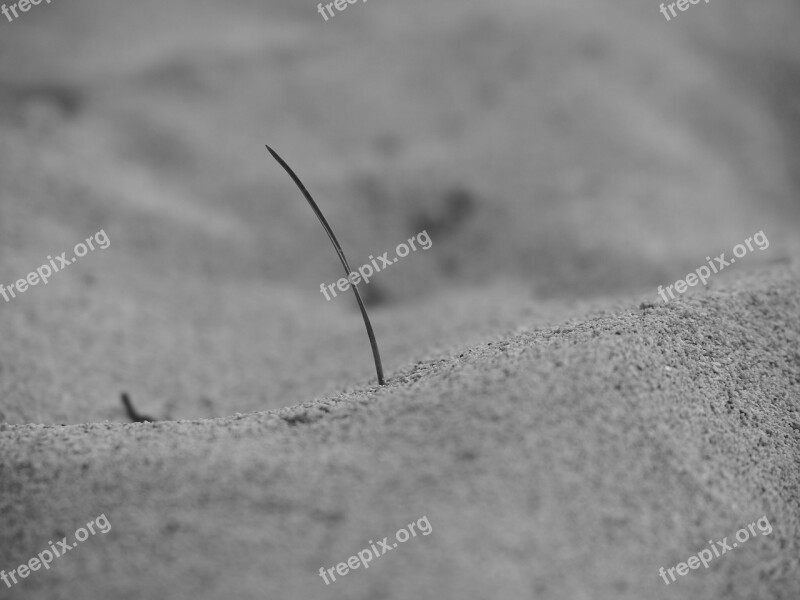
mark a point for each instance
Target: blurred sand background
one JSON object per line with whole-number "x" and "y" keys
{"x": 565, "y": 158}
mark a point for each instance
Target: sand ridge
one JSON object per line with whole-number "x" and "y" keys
{"x": 623, "y": 441}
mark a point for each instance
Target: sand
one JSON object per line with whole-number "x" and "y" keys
{"x": 566, "y": 462}
{"x": 565, "y": 431}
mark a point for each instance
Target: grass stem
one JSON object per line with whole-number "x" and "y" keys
{"x": 372, "y": 341}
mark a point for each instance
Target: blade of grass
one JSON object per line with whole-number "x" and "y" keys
{"x": 372, "y": 341}
{"x": 133, "y": 414}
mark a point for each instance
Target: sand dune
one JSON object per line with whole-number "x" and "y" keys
{"x": 564, "y": 462}
{"x": 566, "y": 433}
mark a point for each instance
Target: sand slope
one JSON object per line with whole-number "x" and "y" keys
{"x": 569, "y": 462}
{"x": 554, "y": 151}
{"x": 565, "y": 433}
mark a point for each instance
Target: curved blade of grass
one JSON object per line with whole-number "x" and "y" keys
{"x": 375, "y": 354}
{"x": 133, "y": 414}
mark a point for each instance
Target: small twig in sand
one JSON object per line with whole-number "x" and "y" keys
{"x": 376, "y": 355}
{"x": 132, "y": 414}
